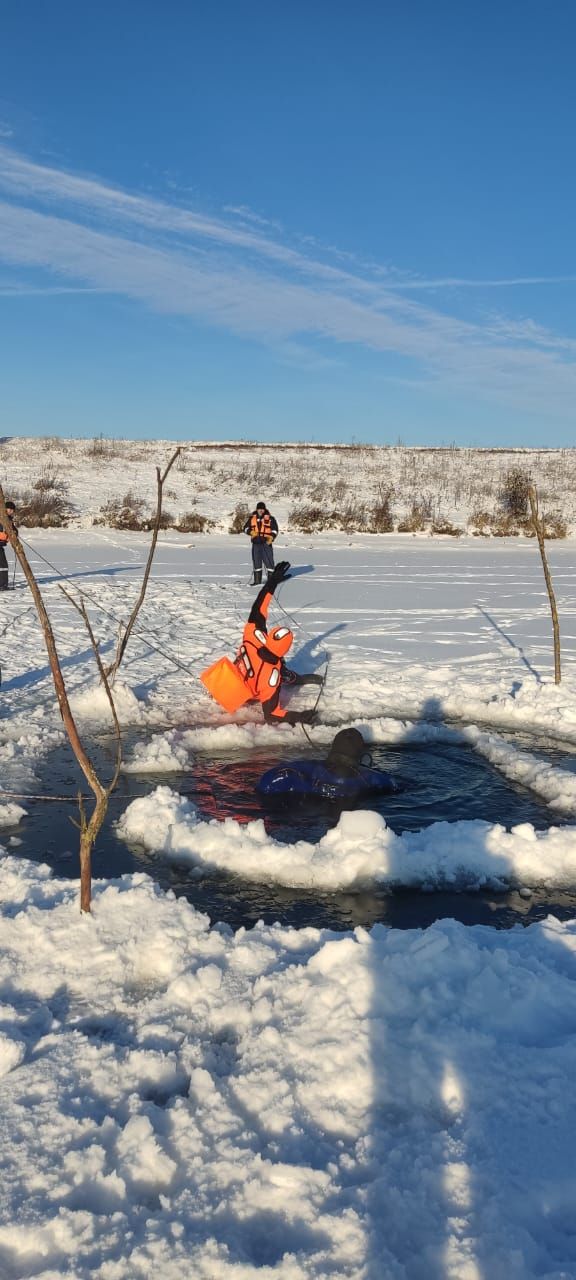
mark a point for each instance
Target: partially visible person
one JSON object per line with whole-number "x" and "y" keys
{"x": 11, "y": 509}
{"x": 262, "y": 529}
{"x": 260, "y": 658}
{"x": 342, "y": 775}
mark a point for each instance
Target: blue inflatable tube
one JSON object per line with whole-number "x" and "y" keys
{"x": 313, "y": 778}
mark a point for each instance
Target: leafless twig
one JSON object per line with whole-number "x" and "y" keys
{"x": 538, "y": 526}
{"x": 89, "y": 827}
{"x": 125, "y": 636}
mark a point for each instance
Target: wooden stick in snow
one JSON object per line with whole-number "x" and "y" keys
{"x": 538, "y": 526}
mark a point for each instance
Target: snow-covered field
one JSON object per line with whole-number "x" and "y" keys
{"x": 178, "y": 1100}
{"x": 212, "y": 479}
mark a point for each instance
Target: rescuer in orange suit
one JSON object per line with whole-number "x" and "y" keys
{"x": 260, "y": 658}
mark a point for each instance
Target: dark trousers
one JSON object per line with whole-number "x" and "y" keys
{"x": 262, "y": 554}
{"x": 3, "y": 570}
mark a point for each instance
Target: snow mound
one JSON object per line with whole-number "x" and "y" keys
{"x": 162, "y": 753}
{"x": 11, "y": 1052}
{"x": 92, "y": 707}
{"x": 11, "y": 814}
{"x": 361, "y": 850}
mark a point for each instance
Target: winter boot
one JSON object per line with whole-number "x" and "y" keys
{"x": 257, "y": 579}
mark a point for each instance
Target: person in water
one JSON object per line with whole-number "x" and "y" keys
{"x": 260, "y": 658}
{"x": 343, "y": 775}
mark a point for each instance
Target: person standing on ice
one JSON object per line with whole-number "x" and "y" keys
{"x": 262, "y": 528}
{"x": 260, "y": 658}
{"x": 11, "y": 509}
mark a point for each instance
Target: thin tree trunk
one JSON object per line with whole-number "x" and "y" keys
{"x": 538, "y": 527}
{"x": 88, "y": 833}
{"x": 123, "y": 639}
{"x": 65, "y": 710}
{"x": 88, "y": 828}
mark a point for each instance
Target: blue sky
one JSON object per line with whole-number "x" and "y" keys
{"x": 308, "y": 221}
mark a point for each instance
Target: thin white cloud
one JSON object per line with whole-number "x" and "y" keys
{"x": 41, "y": 291}
{"x": 178, "y": 261}
{"x": 457, "y": 282}
{"x": 248, "y": 215}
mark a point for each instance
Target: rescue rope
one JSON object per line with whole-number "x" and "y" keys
{"x": 27, "y": 795}
{"x": 156, "y": 648}
{"x": 67, "y": 577}
{"x": 326, "y": 663}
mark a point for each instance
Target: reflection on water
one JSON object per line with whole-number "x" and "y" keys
{"x": 441, "y": 782}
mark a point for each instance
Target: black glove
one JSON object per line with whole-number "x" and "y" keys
{"x": 279, "y": 574}
{"x": 300, "y": 717}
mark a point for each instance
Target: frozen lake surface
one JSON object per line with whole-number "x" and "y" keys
{"x": 305, "y": 1097}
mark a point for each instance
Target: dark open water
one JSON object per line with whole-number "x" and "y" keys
{"x": 441, "y": 782}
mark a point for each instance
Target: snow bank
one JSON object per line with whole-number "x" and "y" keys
{"x": 172, "y": 751}
{"x": 279, "y": 1104}
{"x": 92, "y": 707}
{"x": 162, "y": 753}
{"x": 360, "y": 851}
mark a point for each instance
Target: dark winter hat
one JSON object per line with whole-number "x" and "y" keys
{"x": 348, "y": 745}
{"x": 261, "y": 506}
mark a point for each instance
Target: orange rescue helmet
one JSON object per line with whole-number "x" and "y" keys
{"x": 279, "y": 640}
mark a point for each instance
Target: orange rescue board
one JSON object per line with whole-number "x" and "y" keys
{"x": 224, "y": 682}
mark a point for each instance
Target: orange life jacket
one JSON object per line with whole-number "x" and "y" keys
{"x": 259, "y": 660}
{"x": 261, "y": 527}
{"x": 3, "y": 534}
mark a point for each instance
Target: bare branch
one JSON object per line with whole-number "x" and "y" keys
{"x": 123, "y": 641}
{"x": 538, "y": 527}
{"x": 80, "y": 606}
{"x": 65, "y": 710}
{"x": 89, "y": 828}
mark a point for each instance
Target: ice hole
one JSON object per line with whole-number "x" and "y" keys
{"x": 442, "y": 782}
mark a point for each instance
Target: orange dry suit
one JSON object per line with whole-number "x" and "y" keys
{"x": 260, "y": 660}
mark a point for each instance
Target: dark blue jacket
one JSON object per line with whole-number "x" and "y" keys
{"x": 314, "y": 778}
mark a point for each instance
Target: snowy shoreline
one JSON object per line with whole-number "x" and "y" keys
{"x": 280, "y": 1103}
{"x": 181, "y": 1100}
